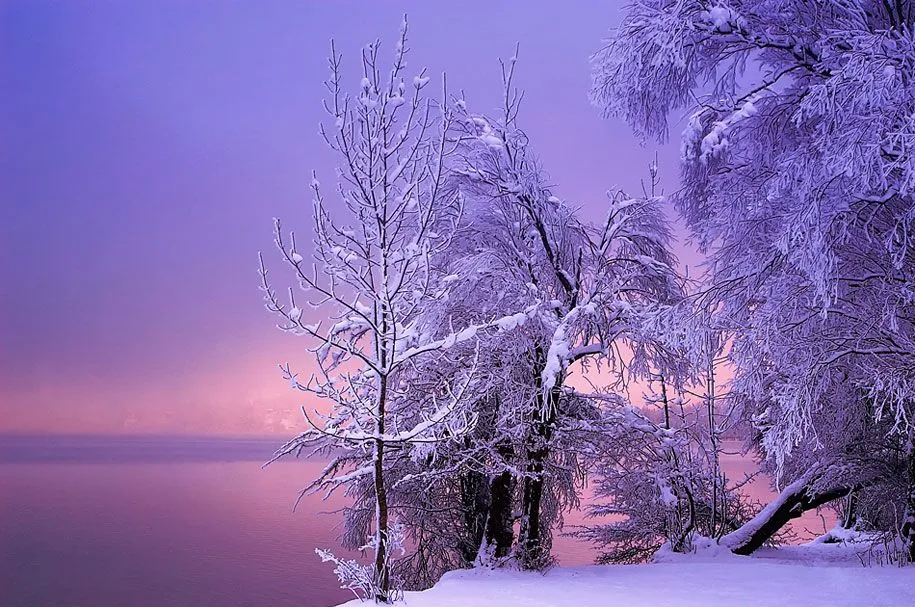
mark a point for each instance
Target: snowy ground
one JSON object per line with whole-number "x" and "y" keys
{"x": 816, "y": 577}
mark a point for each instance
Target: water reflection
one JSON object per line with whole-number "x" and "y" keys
{"x": 162, "y": 534}
{"x": 155, "y": 531}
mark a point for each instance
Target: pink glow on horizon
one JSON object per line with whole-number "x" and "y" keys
{"x": 154, "y": 143}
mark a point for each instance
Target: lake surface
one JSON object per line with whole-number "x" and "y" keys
{"x": 93, "y": 522}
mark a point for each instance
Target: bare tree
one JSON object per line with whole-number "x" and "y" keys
{"x": 374, "y": 267}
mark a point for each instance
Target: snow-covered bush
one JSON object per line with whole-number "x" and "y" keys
{"x": 658, "y": 480}
{"x": 362, "y": 579}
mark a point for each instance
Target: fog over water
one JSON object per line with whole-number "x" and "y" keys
{"x": 152, "y": 521}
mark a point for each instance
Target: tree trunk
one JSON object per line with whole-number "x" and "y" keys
{"x": 530, "y": 536}
{"x": 488, "y": 514}
{"x": 792, "y": 502}
{"x": 908, "y": 525}
{"x": 530, "y": 541}
{"x": 382, "y": 571}
{"x": 475, "y": 507}
{"x": 850, "y": 510}
{"x": 500, "y": 534}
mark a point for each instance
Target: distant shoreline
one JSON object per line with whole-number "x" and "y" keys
{"x": 134, "y": 448}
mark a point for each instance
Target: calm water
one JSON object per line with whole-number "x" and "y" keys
{"x": 169, "y": 522}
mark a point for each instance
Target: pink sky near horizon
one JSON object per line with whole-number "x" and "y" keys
{"x": 146, "y": 147}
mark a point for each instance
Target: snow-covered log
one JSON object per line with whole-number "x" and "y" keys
{"x": 794, "y": 500}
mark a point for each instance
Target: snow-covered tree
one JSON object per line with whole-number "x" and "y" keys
{"x": 373, "y": 268}
{"x": 586, "y": 290}
{"x": 798, "y": 179}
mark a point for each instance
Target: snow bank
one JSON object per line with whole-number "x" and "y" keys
{"x": 689, "y": 582}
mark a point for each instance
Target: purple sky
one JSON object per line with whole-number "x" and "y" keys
{"x": 145, "y": 147}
